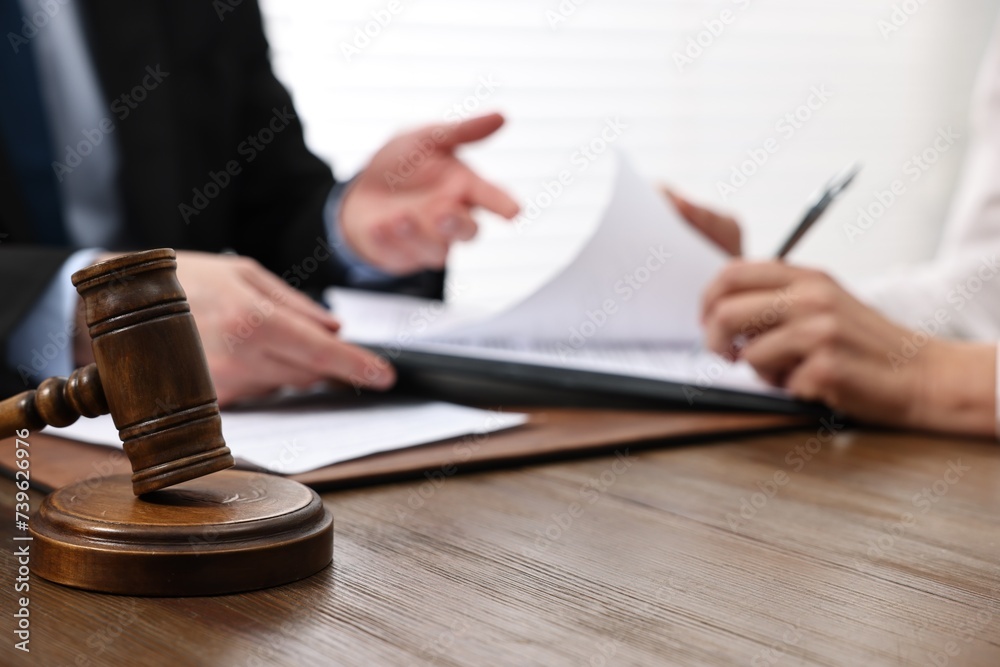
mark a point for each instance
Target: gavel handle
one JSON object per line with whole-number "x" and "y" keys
{"x": 57, "y": 402}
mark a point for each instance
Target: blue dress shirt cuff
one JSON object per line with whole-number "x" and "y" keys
{"x": 359, "y": 272}
{"x": 42, "y": 344}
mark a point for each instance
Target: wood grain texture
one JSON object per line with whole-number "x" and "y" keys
{"x": 850, "y": 562}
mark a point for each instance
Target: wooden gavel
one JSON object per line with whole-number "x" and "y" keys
{"x": 150, "y": 374}
{"x": 233, "y": 531}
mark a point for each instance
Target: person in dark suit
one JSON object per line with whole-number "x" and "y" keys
{"x": 130, "y": 125}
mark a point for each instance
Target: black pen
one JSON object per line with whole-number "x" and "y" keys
{"x": 836, "y": 185}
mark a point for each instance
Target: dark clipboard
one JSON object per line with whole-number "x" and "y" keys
{"x": 477, "y": 380}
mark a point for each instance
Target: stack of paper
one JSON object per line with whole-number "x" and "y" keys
{"x": 300, "y": 436}
{"x": 627, "y": 305}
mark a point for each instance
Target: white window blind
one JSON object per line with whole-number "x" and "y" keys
{"x": 560, "y": 84}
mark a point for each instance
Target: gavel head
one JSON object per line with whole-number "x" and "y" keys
{"x": 153, "y": 369}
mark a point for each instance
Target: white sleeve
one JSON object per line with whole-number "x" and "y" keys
{"x": 962, "y": 283}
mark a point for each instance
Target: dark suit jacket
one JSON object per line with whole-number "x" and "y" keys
{"x": 214, "y": 90}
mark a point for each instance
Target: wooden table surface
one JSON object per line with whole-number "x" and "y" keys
{"x": 870, "y": 549}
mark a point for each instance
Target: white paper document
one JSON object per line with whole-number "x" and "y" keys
{"x": 306, "y": 435}
{"x": 627, "y": 305}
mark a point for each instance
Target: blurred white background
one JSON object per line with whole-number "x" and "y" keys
{"x": 559, "y": 82}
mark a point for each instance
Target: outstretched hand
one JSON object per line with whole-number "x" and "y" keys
{"x": 415, "y": 198}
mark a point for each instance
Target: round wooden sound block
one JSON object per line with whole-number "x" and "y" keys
{"x": 224, "y": 533}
